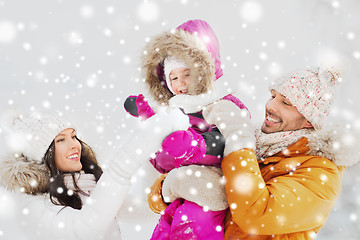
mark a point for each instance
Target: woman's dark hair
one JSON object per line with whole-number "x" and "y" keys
{"x": 59, "y": 194}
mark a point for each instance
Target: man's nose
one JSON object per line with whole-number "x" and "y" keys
{"x": 272, "y": 105}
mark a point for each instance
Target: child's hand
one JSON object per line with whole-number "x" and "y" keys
{"x": 138, "y": 106}
{"x": 184, "y": 146}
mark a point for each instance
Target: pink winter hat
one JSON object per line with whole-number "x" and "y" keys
{"x": 311, "y": 91}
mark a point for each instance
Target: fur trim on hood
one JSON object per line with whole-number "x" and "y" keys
{"x": 336, "y": 143}
{"x": 182, "y": 45}
{"x": 18, "y": 174}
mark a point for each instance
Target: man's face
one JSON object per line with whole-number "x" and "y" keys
{"x": 281, "y": 115}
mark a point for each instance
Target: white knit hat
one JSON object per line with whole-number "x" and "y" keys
{"x": 38, "y": 129}
{"x": 171, "y": 63}
{"x": 311, "y": 91}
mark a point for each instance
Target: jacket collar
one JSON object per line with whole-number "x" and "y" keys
{"x": 333, "y": 141}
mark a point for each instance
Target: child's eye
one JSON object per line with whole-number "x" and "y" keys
{"x": 286, "y": 103}
{"x": 60, "y": 140}
{"x": 173, "y": 79}
{"x": 187, "y": 75}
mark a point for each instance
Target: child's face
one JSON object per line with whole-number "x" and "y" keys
{"x": 180, "y": 80}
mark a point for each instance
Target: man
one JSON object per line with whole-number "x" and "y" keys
{"x": 286, "y": 186}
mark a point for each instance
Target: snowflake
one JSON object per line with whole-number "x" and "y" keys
{"x": 148, "y": 12}
{"x": 87, "y": 11}
{"x": 138, "y": 228}
{"x": 7, "y": 32}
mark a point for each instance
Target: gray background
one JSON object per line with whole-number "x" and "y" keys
{"x": 82, "y": 58}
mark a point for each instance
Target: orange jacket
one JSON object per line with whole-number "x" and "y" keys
{"x": 281, "y": 197}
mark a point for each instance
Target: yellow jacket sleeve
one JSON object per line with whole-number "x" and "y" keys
{"x": 296, "y": 201}
{"x": 155, "y": 200}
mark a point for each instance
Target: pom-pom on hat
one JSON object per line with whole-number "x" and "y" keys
{"x": 311, "y": 91}
{"x": 171, "y": 63}
{"x": 38, "y": 129}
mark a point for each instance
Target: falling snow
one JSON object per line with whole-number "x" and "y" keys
{"x": 7, "y": 32}
{"x": 83, "y": 59}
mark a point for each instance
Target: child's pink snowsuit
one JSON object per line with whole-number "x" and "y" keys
{"x": 201, "y": 144}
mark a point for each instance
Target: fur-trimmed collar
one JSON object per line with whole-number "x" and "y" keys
{"x": 18, "y": 174}
{"x": 196, "y": 103}
{"x": 336, "y": 143}
{"x": 182, "y": 45}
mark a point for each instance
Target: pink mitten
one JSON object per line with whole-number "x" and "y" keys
{"x": 184, "y": 146}
{"x": 137, "y": 106}
{"x": 144, "y": 109}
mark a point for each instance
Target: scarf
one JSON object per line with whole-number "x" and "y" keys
{"x": 270, "y": 144}
{"x": 86, "y": 182}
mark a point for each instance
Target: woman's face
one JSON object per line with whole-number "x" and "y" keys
{"x": 67, "y": 151}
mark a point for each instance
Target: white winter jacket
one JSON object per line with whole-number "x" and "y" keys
{"x": 109, "y": 202}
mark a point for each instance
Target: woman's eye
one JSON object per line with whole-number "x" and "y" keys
{"x": 173, "y": 79}
{"x": 286, "y": 103}
{"x": 60, "y": 140}
{"x": 73, "y": 137}
{"x": 187, "y": 75}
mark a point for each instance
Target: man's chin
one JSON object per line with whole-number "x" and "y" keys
{"x": 264, "y": 129}
{"x": 267, "y": 129}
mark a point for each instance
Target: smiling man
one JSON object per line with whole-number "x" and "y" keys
{"x": 282, "y": 180}
{"x": 281, "y": 115}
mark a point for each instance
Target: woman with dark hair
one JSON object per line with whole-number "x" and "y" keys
{"x": 62, "y": 175}
{"x": 64, "y": 193}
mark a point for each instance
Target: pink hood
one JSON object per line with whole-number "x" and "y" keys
{"x": 208, "y": 37}
{"x": 195, "y": 43}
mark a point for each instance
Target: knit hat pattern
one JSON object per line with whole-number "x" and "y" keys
{"x": 171, "y": 63}
{"x": 311, "y": 90}
{"x": 39, "y": 130}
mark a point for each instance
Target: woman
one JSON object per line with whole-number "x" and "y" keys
{"x": 64, "y": 192}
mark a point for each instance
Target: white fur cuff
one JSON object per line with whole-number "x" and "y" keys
{"x": 203, "y": 185}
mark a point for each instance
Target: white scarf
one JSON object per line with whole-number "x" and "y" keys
{"x": 196, "y": 103}
{"x": 86, "y": 182}
{"x": 270, "y": 144}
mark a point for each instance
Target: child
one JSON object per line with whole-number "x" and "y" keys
{"x": 64, "y": 193}
{"x": 189, "y": 58}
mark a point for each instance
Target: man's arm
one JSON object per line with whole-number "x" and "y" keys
{"x": 298, "y": 201}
